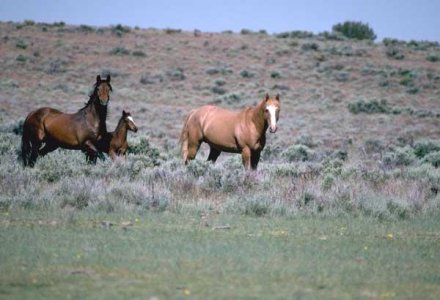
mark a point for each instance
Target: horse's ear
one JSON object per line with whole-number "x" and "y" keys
{"x": 108, "y": 78}
{"x": 267, "y": 97}
{"x": 124, "y": 113}
{"x": 277, "y": 97}
{"x": 98, "y": 78}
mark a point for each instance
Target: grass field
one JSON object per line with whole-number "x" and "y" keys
{"x": 345, "y": 203}
{"x": 46, "y": 255}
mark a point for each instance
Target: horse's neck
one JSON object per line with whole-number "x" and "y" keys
{"x": 120, "y": 132}
{"x": 100, "y": 112}
{"x": 258, "y": 118}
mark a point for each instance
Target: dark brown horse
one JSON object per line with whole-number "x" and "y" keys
{"x": 229, "y": 131}
{"x": 115, "y": 143}
{"x": 47, "y": 129}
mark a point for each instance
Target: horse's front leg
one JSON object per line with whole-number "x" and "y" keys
{"x": 246, "y": 157}
{"x": 91, "y": 151}
{"x": 255, "y": 158}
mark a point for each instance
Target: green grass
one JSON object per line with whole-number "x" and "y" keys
{"x": 71, "y": 254}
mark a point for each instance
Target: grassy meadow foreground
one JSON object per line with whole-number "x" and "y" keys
{"x": 345, "y": 203}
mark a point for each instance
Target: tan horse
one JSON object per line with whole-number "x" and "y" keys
{"x": 115, "y": 143}
{"x": 229, "y": 131}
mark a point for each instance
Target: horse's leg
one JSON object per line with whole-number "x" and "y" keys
{"x": 213, "y": 154}
{"x": 194, "y": 142}
{"x": 48, "y": 147}
{"x": 91, "y": 152}
{"x": 246, "y": 157}
{"x": 255, "y": 158}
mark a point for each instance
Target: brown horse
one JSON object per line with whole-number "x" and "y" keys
{"x": 79, "y": 131}
{"x": 115, "y": 143}
{"x": 235, "y": 132}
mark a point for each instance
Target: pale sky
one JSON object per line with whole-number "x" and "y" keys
{"x": 402, "y": 19}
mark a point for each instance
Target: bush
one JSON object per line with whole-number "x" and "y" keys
{"x": 355, "y": 30}
{"x": 433, "y": 58}
{"x": 433, "y": 158}
{"x": 371, "y": 107}
{"x": 310, "y": 47}
{"x": 138, "y": 53}
{"x": 176, "y": 74}
{"x": 402, "y": 156}
{"x": 120, "y": 51}
{"x": 298, "y": 153}
{"x": 246, "y": 74}
{"x": 21, "y": 44}
{"x": 421, "y": 149}
{"x": 395, "y": 53}
{"x": 120, "y": 30}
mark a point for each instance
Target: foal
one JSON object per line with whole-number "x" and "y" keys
{"x": 229, "y": 131}
{"x": 115, "y": 143}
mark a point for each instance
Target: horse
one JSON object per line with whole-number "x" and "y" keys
{"x": 115, "y": 143}
{"x": 230, "y": 131}
{"x": 52, "y": 129}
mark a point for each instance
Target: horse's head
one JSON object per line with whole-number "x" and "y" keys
{"x": 103, "y": 89}
{"x": 272, "y": 108}
{"x": 128, "y": 119}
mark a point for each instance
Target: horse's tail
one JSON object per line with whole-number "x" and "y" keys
{"x": 26, "y": 146}
{"x": 184, "y": 136}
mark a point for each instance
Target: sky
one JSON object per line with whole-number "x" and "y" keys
{"x": 401, "y": 19}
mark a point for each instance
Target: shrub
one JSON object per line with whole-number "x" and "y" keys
{"x": 120, "y": 51}
{"x": 275, "y": 74}
{"x": 402, "y": 156}
{"x": 139, "y": 53}
{"x": 370, "y": 107}
{"x": 433, "y": 58}
{"x": 245, "y": 31}
{"x": 21, "y": 44}
{"x": 172, "y": 31}
{"x": 310, "y": 47}
{"x": 433, "y": 158}
{"x": 298, "y": 153}
{"x": 355, "y": 30}
{"x": 142, "y": 147}
{"x": 421, "y": 149}
{"x": 246, "y": 74}
{"x": 231, "y": 98}
{"x": 120, "y": 30}
{"x": 86, "y": 28}
{"x": 395, "y": 53}
{"x": 218, "y": 90}
{"x": 176, "y": 74}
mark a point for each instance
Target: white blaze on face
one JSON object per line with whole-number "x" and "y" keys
{"x": 130, "y": 118}
{"x": 272, "y": 109}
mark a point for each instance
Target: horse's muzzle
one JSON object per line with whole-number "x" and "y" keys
{"x": 273, "y": 130}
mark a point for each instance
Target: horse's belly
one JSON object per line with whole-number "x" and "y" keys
{"x": 225, "y": 145}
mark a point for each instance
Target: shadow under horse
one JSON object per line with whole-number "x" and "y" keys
{"x": 115, "y": 143}
{"x": 230, "y": 131}
{"x": 47, "y": 129}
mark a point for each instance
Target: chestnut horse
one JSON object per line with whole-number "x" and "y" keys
{"x": 229, "y": 131}
{"x": 115, "y": 143}
{"x": 79, "y": 131}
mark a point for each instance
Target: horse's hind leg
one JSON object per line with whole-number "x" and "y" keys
{"x": 192, "y": 151}
{"x": 48, "y": 147}
{"x": 213, "y": 154}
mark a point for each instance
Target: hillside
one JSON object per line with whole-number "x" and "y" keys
{"x": 159, "y": 75}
